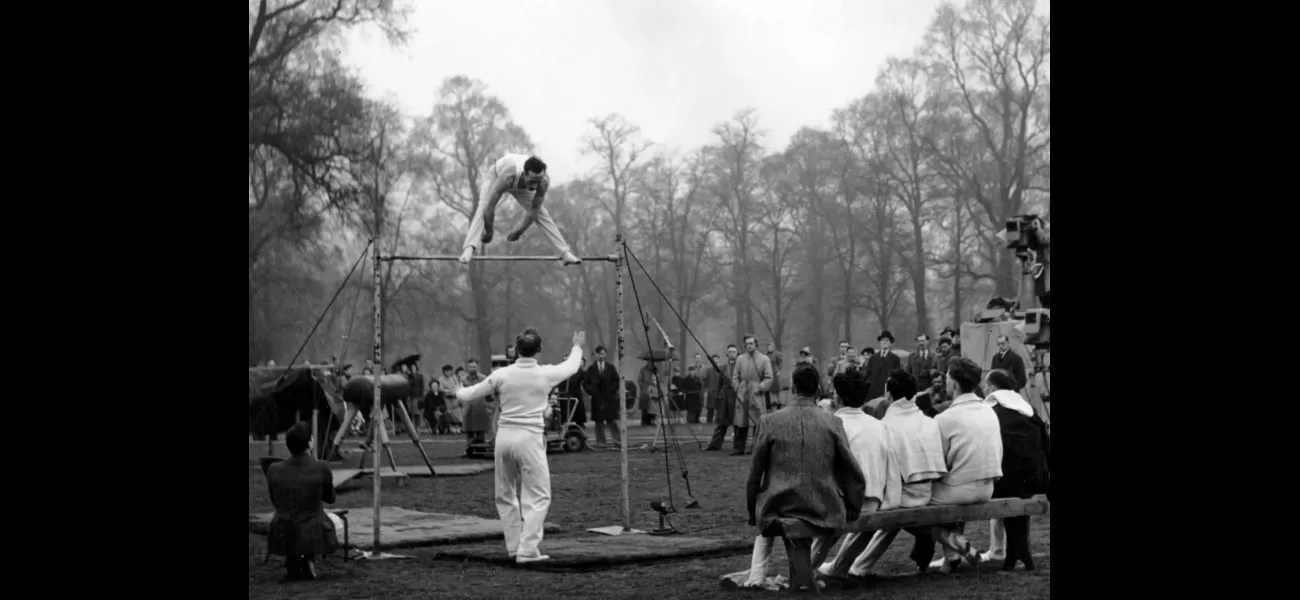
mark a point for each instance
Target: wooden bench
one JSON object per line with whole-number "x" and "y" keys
{"x": 800, "y": 533}
{"x": 900, "y": 518}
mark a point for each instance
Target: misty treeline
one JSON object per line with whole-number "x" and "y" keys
{"x": 886, "y": 220}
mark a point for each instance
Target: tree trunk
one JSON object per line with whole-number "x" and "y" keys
{"x": 509, "y": 309}
{"x": 1005, "y": 270}
{"x": 817, "y": 278}
{"x": 958, "y": 262}
{"x": 252, "y": 321}
{"x": 482, "y": 329}
{"x": 918, "y": 277}
{"x": 589, "y": 312}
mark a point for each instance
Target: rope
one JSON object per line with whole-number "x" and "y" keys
{"x": 668, "y": 476}
{"x": 668, "y": 302}
{"x": 343, "y": 350}
{"x": 668, "y": 428}
{"x": 289, "y": 367}
{"x": 327, "y": 309}
{"x": 666, "y": 425}
{"x": 682, "y": 321}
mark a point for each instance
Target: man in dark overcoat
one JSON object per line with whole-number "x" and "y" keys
{"x": 601, "y": 383}
{"x": 723, "y": 399}
{"x": 879, "y": 366}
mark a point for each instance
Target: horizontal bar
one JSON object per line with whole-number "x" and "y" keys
{"x": 610, "y": 258}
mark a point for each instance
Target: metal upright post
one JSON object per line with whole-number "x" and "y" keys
{"x": 622, "y": 389}
{"x": 377, "y": 414}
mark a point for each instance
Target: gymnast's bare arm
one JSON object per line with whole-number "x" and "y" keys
{"x": 538, "y": 198}
{"x": 499, "y": 188}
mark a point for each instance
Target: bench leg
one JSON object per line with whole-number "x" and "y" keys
{"x": 799, "y": 553}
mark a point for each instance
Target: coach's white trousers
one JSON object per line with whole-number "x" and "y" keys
{"x": 474, "y": 238}
{"x": 523, "y": 480}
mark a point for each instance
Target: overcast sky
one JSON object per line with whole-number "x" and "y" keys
{"x": 675, "y": 68}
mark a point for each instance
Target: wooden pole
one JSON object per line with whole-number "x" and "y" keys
{"x": 622, "y": 390}
{"x": 377, "y": 413}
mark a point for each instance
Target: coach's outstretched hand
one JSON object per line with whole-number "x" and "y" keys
{"x": 579, "y": 339}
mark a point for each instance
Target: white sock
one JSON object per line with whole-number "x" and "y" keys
{"x": 997, "y": 537}
{"x": 758, "y": 562}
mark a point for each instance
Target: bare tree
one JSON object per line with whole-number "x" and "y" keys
{"x": 815, "y": 160}
{"x": 908, "y": 122}
{"x": 301, "y": 102}
{"x": 996, "y": 53}
{"x": 778, "y": 287}
{"x": 735, "y": 164}
{"x": 878, "y": 222}
{"x": 622, "y": 152}
{"x": 685, "y": 220}
{"x": 468, "y": 132}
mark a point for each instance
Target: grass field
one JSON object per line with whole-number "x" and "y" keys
{"x": 586, "y": 493}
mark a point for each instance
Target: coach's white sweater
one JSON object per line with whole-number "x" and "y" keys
{"x": 524, "y": 389}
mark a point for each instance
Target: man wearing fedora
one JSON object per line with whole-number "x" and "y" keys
{"x": 881, "y": 364}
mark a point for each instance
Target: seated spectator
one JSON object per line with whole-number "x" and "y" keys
{"x": 802, "y": 469}
{"x": 871, "y": 443}
{"x": 918, "y": 448}
{"x": 972, "y": 446}
{"x": 445, "y": 387}
{"x": 432, "y": 405}
{"x": 441, "y": 422}
{"x": 1026, "y": 456}
{"x": 300, "y": 529}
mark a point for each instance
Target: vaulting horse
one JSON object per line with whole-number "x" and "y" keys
{"x": 359, "y": 396}
{"x": 278, "y": 397}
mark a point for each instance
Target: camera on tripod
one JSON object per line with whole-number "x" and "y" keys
{"x": 1027, "y": 236}
{"x": 1026, "y": 233}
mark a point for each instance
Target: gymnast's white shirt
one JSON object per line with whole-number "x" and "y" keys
{"x": 524, "y": 389}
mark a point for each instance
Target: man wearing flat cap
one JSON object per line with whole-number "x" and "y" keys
{"x": 880, "y": 365}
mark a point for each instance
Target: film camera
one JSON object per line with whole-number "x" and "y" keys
{"x": 1028, "y": 237}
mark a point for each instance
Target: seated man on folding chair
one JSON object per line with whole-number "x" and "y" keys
{"x": 803, "y": 475}
{"x": 301, "y": 529}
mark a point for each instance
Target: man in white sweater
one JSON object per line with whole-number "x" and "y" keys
{"x": 972, "y": 447}
{"x": 870, "y": 441}
{"x": 523, "y": 478}
{"x": 917, "y": 443}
